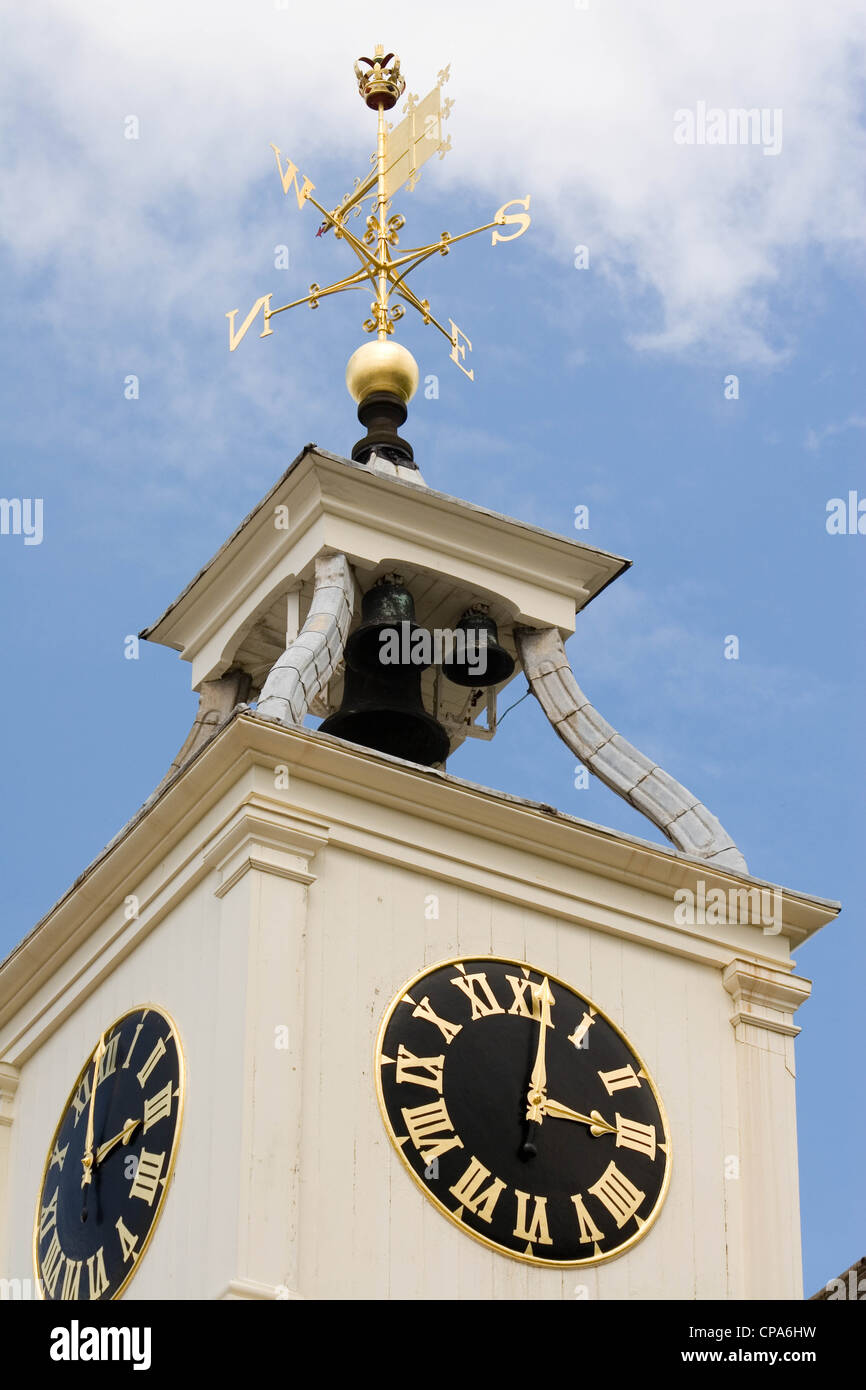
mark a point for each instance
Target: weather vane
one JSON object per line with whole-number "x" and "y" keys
{"x": 382, "y": 375}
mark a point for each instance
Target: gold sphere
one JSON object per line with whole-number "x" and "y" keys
{"x": 382, "y": 366}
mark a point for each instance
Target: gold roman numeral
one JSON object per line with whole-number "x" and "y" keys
{"x": 71, "y": 1279}
{"x": 108, "y": 1060}
{"x": 157, "y": 1107}
{"x": 519, "y": 1006}
{"x": 147, "y": 1176}
{"x": 589, "y": 1232}
{"x": 52, "y": 1262}
{"x": 423, "y": 1010}
{"x": 128, "y": 1241}
{"x": 57, "y": 1156}
{"x": 97, "y": 1278}
{"x": 82, "y": 1096}
{"x": 424, "y": 1123}
{"x": 619, "y": 1080}
{"x": 422, "y": 1071}
{"x": 469, "y": 1193}
{"x": 582, "y": 1029}
{"x": 631, "y": 1134}
{"x": 620, "y": 1196}
{"x": 48, "y": 1216}
{"x": 138, "y": 1028}
{"x": 536, "y": 1232}
{"x": 156, "y": 1054}
{"x": 480, "y": 995}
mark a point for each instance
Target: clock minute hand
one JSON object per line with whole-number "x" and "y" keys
{"x": 598, "y": 1125}
{"x": 538, "y": 1079}
{"x": 87, "y": 1157}
{"x": 543, "y": 996}
{"x": 125, "y": 1134}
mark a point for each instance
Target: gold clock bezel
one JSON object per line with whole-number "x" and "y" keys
{"x": 172, "y": 1158}
{"x": 646, "y": 1223}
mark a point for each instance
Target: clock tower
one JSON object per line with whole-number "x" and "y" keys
{"x": 324, "y": 1020}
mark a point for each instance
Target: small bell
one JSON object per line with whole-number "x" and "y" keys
{"x": 478, "y": 659}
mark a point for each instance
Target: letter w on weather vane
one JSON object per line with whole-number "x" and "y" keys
{"x": 400, "y": 153}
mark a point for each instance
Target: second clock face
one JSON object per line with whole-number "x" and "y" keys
{"x": 111, "y": 1160}
{"x": 522, "y": 1111}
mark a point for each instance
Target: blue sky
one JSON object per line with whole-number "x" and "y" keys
{"x": 601, "y": 386}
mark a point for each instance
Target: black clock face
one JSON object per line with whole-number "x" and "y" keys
{"x": 110, "y": 1160}
{"x": 522, "y": 1111}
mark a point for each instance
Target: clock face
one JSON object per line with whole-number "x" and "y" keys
{"x": 522, "y": 1111}
{"x": 110, "y": 1161}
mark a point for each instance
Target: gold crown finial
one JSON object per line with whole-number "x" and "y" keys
{"x": 382, "y": 86}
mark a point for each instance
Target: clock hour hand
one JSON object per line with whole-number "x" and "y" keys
{"x": 535, "y": 1096}
{"x": 125, "y": 1134}
{"x": 598, "y": 1125}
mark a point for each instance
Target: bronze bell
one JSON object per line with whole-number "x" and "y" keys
{"x": 382, "y": 706}
{"x": 384, "y": 610}
{"x": 479, "y": 660}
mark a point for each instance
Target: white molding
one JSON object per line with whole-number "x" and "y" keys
{"x": 252, "y": 855}
{"x": 254, "y": 840}
{"x": 764, "y": 998}
{"x": 763, "y": 1202}
{"x": 739, "y": 1021}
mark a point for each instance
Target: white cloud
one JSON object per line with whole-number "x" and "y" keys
{"x": 815, "y": 438}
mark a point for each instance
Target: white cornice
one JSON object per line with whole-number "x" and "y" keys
{"x": 764, "y": 998}
{"x": 281, "y": 846}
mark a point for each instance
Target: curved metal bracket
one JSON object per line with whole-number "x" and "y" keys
{"x": 678, "y": 814}
{"x": 307, "y": 664}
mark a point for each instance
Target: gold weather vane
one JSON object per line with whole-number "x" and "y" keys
{"x": 400, "y": 153}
